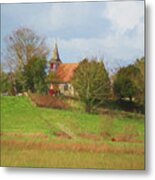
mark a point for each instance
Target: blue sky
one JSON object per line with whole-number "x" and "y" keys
{"x": 113, "y": 31}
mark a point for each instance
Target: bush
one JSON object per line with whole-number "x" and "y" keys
{"x": 125, "y": 83}
{"x": 48, "y": 101}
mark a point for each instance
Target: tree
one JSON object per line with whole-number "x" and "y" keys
{"x": 4, "y": 82}
{"x": 7, "y": 81}
{"x": 140, "y": 64}
{"x": 91, "y": 82}
{"x": 35, "y": 75}
{"x": 126, "y": 82}
{"x": 23, "y": 45}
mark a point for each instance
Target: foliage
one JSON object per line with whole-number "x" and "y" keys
{"x": 7, "y": 81}
{"x": 140, "y": 64}
{"x": 4, "y": 82}
{"x": 92, "y": 83}
{"x": 126, "y": 82}
{"x": 23, "y": 46}
{"x": 53, "y": 78}
{"x": 35, "y": 74}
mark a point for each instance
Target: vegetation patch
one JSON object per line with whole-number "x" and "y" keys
{"x": 48, "y": 101}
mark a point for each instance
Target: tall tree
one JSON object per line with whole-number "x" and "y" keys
{"x": 23, "y": 45}
{"x": 35, "y": 75}
{"x": 126, "y": 82}
{"x": 91, "y": 82}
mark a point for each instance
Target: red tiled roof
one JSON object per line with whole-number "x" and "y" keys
{"x": 66, "y": 71}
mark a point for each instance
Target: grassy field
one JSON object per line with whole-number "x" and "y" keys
{"x": 39, "y": 137}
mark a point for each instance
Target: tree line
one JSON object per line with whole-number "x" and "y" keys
{"x": 94, "y": 86}
{"x": 26, "y": 69}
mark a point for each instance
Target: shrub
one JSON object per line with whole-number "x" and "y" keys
{"x": 48, "y": 101}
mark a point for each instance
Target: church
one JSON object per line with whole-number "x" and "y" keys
{"x": 64, "y": 72}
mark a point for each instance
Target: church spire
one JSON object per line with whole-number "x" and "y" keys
{"x": 55, "y": 55}
{"x": 55, "y": 61}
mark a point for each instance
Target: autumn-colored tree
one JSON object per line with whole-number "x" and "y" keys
{"x": 23, "y": 45}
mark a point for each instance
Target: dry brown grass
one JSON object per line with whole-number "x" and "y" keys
{"x": 97, "y": 148}
{"x": 24, "y": 135}
{"x": 126, "y": 138}
{"x": 90, "y": 136}
{"x": 62, "y": 134}
{"x": 105, "y": 134}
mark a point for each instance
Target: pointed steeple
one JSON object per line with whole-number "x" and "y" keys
{"x": 55, "y": 61}
{"x": 55, "y": 55}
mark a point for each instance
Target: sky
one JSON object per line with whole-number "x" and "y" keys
{"x": 113, "y": 31}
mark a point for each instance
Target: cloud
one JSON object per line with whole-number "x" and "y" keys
{"x": 113, "y": 30}
{"x": 124, "y": 15}
{"x": 123, "y": 43}
{"x": 115, "y": 50}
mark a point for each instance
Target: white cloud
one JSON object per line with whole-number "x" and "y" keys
{"x": 68, "y": 16}
{"x": 124, "y": 15}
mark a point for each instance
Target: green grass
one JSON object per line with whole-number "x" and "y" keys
{"x": 20, "y": 116}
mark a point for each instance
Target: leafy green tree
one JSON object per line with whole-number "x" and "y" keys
{"x": 7, "y": 81}
{"x": 35, "y": 75}
{"x": 126, "y": 82}
{"x": 4, "y": 82}
{"x": 91, "y": 82}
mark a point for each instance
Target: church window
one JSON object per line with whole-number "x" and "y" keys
{"x": 66, "y": 87}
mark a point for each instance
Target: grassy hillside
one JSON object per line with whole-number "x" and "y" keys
{"x": 33, "y": 136}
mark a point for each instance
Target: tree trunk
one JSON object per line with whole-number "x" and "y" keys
{"x": 130, "y": 98}
{"x": 88, "y": 108}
